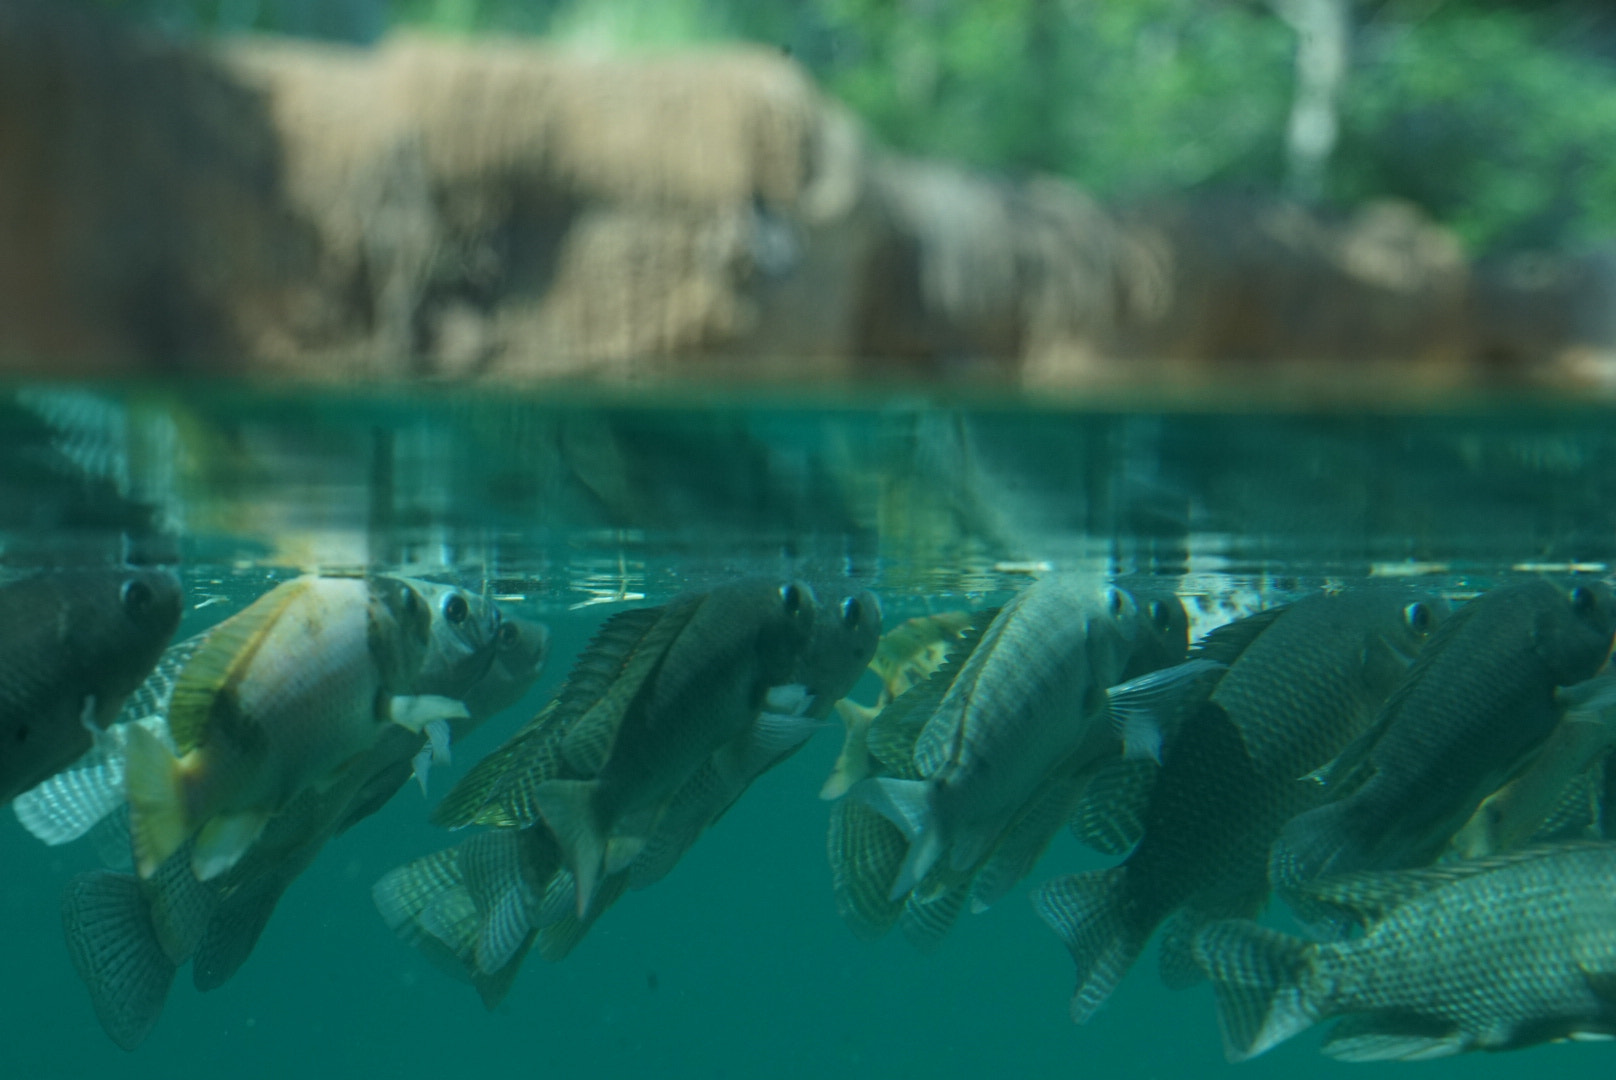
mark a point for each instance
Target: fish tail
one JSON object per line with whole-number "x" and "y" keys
{"x": 429, "y": 904}
{"x": 506, "y": 905}
{"x": 568, "y": 808}
{"x": 907, "y": 804}
{"x": 232, "y": 934}
{"x": 1087, "y": 912}
{"x": 1257, "y": 974}
{"x": 865, "y": 852}
{"x": 117, "y": 954}
{"x": 158, "y": 819}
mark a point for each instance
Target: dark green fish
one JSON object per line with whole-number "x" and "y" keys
{"x": 846, "y": 635}
{"x": 1479, "y": 701}
{"x": 1302, "y": 681}
{"x": 648, "y": 704}
{"x": 74, "y": 643}
{"x": 1494, "y": 954}
{"x": 480, "y": 907}
{"x": 1557, "y": 796}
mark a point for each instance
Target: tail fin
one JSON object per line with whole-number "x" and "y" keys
{"x": 1257, "y": 974}
{"x": 866, "y": 851}
{"x": 925, "y": 922}
{"x": 158, "y": 823}
{"x": 1087, "y": 912}
{"x": 506, "y": 903}
{"x": 907, "y": 804}
{"x": 110, "y": 939}
{"x": 234, "y": 931}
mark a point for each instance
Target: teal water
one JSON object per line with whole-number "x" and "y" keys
{"x": 737, "y": 964}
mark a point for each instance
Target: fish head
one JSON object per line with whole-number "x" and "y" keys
{"x": 1164, "y": 637}
{"x": 846, "y": 635}
{"x": 520, "y": 649}
{"x": 400, "y": 630}
{"x": 785, "y": 630}
{"x": 117, "y": 623}
{"x": 1396, "y": 624}
{"x": 1114, "y": 625}
{"x": 1573, "y": 629}
{"x": 464, "y": 638}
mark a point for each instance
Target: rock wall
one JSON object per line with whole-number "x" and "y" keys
{"x": 513, "y": 211}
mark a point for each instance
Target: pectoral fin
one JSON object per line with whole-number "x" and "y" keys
{"x": 415, "y": 712}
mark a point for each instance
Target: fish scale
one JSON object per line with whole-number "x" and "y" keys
{"x": 1493, "y": 954}
{"x": 1302, "y": 681}
{"x": 1479, "y": 700}
{"x": 868, "y": 850}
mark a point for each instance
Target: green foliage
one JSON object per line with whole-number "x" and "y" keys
{"x": 1476, "y": 115}
{"x": 1126, "y": 96}
{"x": 1481, "y": 111}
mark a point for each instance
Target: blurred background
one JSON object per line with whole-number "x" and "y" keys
{"x": 1033, "y": 192}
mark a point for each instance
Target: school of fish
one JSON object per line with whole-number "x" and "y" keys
{"x": 1424, "y": 778}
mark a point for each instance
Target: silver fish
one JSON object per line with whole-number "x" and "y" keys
{"x": 1031, "y": 696}
{"x": 1494, "y": 954}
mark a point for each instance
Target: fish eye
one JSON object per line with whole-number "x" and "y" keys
{"x": 791, "y": 597}
{"x": 455, "y": 609}
{"x": 137, "y": 598}
{"x": 851, "y": 610}
{"x": 1161, "y": 615}
{"x": 1583, "y": 600}
{"x": 508, "y": 636}
{"x": 1418, "y": 617}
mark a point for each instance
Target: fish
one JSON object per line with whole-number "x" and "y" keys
{"x": 845, "y": 638}
{"x": 1558, "y": 793}
{"x": 867, "y": 850}
{"x": 653, "y": 697}
{"x": 74, "y": 644}
{"x": 472, "y": 646}
{"x": 1483, "y": 696}
{"x": 480, "y": 907}
{"x": 1491, "y": 954}
{"x": 906, "y": 656}
{"x": 281, "y": 698}
{"x": 129, "y": 935}
{"x": 1030, "y": 699}
{"x": 520, "y": 651}
{"x": 1301, "y": 681}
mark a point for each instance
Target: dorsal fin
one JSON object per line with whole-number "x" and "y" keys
{"x": 485, "y": 794}
{"x": 227, "y": 653}
{"x": 1369, "y": 896}
{"x": 1225, "y": 644}
{"x": 609, "y": 676}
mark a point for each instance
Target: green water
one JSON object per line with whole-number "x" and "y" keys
{"x": 737, "y": 964}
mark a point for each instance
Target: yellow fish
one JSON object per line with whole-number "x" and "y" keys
{"x": 281, "y": 698}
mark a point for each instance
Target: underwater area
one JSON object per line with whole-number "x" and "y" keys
{"x": 569, "y": 508}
